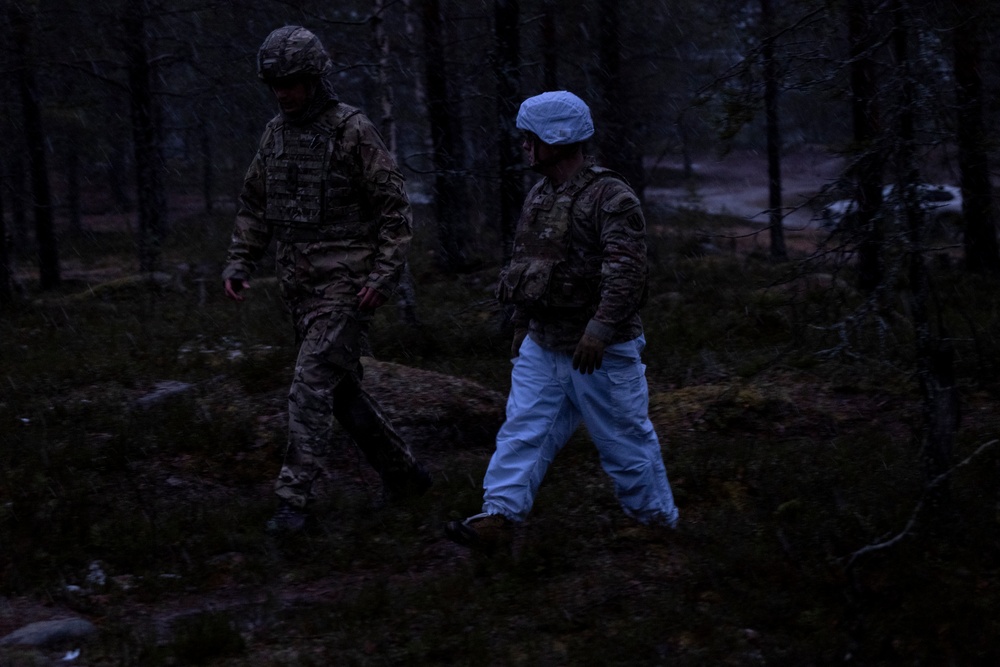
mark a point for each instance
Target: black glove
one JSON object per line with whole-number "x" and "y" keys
{"x": 589, "y": 354}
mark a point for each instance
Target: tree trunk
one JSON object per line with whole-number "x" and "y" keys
{"x": 73, "y": 190}
{"x": 6, "y": 281}
{"x": 148, "y": 158}
{"x": 683, "y": 136}
{"x": 406, "y": 294}
{"x": 934, "y": 356}
{"x": 34, "y": 134}
{"x": 387, "y": 123}
{"x": 550, "y": 47}
{"x": 450, "y": 202}
{"x": 16, "y": 189}
{"x": 618, "y": 149}
{"x": 941, "y": 415}
{"x": 981, "y": 251}
{"x": 868, "y": 166}
{"x": 779, "y": 252}
{"x": 207, "y": 165}
{"x": 118, "y": 166}
{"x": 507, "y": 67}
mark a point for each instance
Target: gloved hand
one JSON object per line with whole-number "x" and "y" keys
{"x": 235, "y": 287}
{"x": 515, "y": 346}
{"x": 370, "y": 299}
{"x": 589, "y": 354}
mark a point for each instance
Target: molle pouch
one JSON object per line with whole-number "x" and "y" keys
{"x": 570, "y": 290}
{"x": 337, "y": 199}
{"x": 329, "y": 216}
{"x": 295, "y": 216}
{"x": 526, "y": 283}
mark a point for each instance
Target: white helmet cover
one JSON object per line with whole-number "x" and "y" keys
{"x": 556, "y": 117}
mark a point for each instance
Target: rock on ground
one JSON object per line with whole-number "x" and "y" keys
{"x": 47, "y": 633}
{"x": 433, "y": 410}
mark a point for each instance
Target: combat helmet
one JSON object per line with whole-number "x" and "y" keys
{"x": 289, "y": 51}
{"x": 556, "y": 117}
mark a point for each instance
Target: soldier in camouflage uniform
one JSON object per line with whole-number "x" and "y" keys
{"x": 575, "y": 283}
{"x": 324, "y": 186}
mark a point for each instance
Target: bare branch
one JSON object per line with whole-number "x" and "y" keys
{"x": 914, "y": 516}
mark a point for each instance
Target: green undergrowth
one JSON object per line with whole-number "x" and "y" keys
{"x": 794, "y": 458}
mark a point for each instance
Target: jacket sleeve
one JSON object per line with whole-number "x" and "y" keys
{"x": 622, "y": 232}
{"x": 385, "y": 192}
{"x": 519, "y": 319}
{"x": 251, "y": 232}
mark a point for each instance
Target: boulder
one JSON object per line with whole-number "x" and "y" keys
{"x": 434, "y": 410}
{"x": 48, "y": 633}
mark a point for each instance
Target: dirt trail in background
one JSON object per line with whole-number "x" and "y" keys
{"x": 736, "y": 184}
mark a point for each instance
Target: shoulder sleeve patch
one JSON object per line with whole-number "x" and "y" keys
{"x": 622, "y": 201}
{"x": 625, "y": 204}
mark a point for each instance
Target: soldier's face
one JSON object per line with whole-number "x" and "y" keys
{"x": 293, "y": 94}
{"x": 544, "y": 158}
{"x": 536, "y": 151}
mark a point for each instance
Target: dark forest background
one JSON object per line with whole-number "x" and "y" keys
{"x": 123, "y": 107}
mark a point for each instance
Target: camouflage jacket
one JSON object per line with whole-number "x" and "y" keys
{"x": 600, "y": 283}
{"x": 331, "y": 195}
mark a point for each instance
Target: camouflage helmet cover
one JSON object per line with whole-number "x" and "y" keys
{"x": 289, "y": 51}
{"x": 556, "y": 117}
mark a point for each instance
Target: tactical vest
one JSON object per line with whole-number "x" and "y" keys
{"x": 541, "y": 273}
{"x": 310, "y": 197}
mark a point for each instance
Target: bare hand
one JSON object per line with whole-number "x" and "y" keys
{"x": 589, "y": 355}
{"x": 370, "y": 299}
{"x": 234, "y": 289}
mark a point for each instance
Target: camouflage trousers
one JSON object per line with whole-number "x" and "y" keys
{"x": 327, "y": 387}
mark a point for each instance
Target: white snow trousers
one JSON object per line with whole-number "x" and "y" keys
{"x": 547, "y": 402}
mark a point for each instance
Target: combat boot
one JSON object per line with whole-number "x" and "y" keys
{"x": 486, "y": 533}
